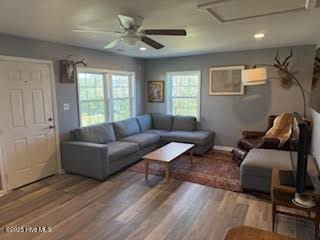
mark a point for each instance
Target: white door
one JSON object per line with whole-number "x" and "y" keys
{"x": 27, "y": 122}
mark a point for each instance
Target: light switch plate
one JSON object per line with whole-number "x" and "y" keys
{"x": 66, "y": 107}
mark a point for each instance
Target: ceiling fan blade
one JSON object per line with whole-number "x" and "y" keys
{"x": 171, "y": 32}
{"x": 126, "y": 22}
{"x": 94, "y": 31}
{"x": 151, "y": 42}
{"x": 112, "y": 44}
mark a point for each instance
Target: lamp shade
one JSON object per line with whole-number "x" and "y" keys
{"x": 255, "y": 76}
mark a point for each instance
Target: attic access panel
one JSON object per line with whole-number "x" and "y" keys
{"x": 236, "y": 10}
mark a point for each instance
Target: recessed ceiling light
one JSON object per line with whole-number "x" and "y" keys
{"x": 259, "y": 35}
{"x": 143, "y": 48}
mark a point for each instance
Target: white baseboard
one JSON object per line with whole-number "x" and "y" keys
{"x": 223, "y": 148}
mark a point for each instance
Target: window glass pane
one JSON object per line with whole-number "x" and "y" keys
{"x": 184, "y": 93}
{"x": 91, "y": 93}
{"x": 99, "y": 80}
{"x": 121, "y": 109}
{"x": 90, "y": 80}
{"x": 121, "y": 97}
{"x": 82, "y": 80}
{"x": 83, "y": 94}
{"x": 99, "y": 93}
{"x": 91, "y": 98}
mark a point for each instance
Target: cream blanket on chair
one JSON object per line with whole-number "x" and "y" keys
{"x": 282, "y": 128}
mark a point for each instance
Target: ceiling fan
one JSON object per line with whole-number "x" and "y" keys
{"x": 132, "y": 33}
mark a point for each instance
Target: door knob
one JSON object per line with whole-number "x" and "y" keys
{"x": 50, "y": 119}
{"x": 51, "y": 127}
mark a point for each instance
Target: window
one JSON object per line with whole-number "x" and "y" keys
{"x": 91, "y": 98}
{"x": 184, "y": 93}
{"x": 121, "y": 96}
{"x": 105, "y": 96}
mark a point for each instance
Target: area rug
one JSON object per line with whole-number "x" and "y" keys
{"x": 215, "y": 169}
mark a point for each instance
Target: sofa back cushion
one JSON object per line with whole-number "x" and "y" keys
{"x": 126, "y": 128}
{"x": 184, "y": 123}
{"x": 101, "y": 133}
{"x": 145, "y": 122}
{"x": 162, "y": 121}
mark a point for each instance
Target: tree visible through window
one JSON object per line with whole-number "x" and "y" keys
{"x": 184, "y": 93}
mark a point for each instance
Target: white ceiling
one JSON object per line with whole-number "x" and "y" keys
{"x": 53, "y": 20}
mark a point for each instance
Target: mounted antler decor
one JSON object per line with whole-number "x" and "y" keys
{"x": 68, "y": 69}
{"x": 283, "y": 72}
{"x": 257, "y": 76}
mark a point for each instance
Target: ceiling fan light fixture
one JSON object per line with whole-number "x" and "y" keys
{"x": 259, "y": 35}
{"x": 131, "y": 40}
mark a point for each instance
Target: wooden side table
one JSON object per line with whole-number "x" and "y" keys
{"x": 250, "y": 233}
{"x": 282, "y": 196}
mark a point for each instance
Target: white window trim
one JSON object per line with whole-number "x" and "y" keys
{"x": 107, "y": 90}
{"x": 168, "y": 90}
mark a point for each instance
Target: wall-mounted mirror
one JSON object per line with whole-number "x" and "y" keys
{"x": 315, "y": 93}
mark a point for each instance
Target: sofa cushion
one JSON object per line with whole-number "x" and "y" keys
{"x": 156, "y": 131}
{"x": 145, "y": 122}
{"x": 143, "y": 139}
{"x": 126, "y": 128}
{"x": 195, "y": 137}
{"x": 118, "y": 150}
{"x": 184, "y": 123}
{"x": 162, "y": 121}
{"x": 101, "y": 133}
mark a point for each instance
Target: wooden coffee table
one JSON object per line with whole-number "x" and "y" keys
{"x": 167, "y": 154}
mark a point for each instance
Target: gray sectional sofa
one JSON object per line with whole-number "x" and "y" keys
{"x": 101, "y": 150}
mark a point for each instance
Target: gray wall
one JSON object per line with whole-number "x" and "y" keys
{"x": 228, "y": 116}
{"x": 67, "y": 93}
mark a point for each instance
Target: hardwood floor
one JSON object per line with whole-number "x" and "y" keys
{"x": 127, "y": 207}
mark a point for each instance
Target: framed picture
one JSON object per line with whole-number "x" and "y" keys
{"x": 226, "y": 80}
{"x": 155, "y": 91}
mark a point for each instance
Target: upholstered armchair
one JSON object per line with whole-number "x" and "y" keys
{"x": 256, "y": 139}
